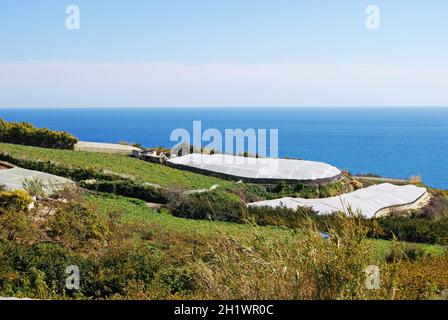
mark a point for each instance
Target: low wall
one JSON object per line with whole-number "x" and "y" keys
{"x": 104, "y": 150}
{"x": 109, "y": 148}
{"x": 419, "y": 203}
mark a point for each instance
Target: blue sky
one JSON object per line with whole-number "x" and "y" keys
{"x": 223, "y": 53}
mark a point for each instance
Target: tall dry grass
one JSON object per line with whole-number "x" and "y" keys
{"x": 300, "y": 265}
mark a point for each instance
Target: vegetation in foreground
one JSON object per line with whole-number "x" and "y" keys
{"x": 126, "y": 250}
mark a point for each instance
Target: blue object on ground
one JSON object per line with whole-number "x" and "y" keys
{"x": 325, "y": 235}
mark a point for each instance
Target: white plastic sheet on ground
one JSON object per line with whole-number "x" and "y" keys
{"x": 261, "y": 168}
{"x": 14, "y": 178}
{"x": 368, "y": 201}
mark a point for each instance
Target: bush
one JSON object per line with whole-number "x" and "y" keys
{"x": 436, "y": 208}
{"x": 76, "y": 174}
{"x": 280, "y": 216}
{"x": 301, "y": 190}
{"x": 415, "y": 229}
{"x": 177, "y": 280}
{"x": 208, "y": 205}
{"x": 35, "y": 254}
{"x": 426, "y": 278}
{"x": 128, "y": 189}
{"x": 283, "y": 188}
{"x": 76, "y": 226}
{"x": 38, "y": 270}
{"x": 116, "y": 268}
{"x": 406, "y": 252}
{"x": 35, "y": 187}
{"x": 15, "y": 224}
{"x": 26, "y": 134}
{"x": 15, "y": 201}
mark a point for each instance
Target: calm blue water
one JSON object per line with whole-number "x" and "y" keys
{"x": 393, "y": 142}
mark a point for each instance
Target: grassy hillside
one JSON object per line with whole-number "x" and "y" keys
{"x": 126, "y": 250}
{"x": 165, "y": 176}
{"x": 141, "y": 171}
{"x": 228, "y": 261}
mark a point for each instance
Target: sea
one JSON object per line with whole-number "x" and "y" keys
{"x": 388, "y": 141}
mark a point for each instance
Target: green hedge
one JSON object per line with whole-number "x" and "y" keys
{"x": 26, "y": 134}
{"x": 210, "y": 205}
{"x": 409, "y": 229}
{"x": 128, "y": 189}
{"x": 222, "y": 206}
{"x": 76, "y": 174}
{"x": 280, "y": 216}
{"x": 104, "y": 182}
{"x": 414, "y": 229}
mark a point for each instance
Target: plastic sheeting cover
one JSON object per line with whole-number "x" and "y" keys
{"x": 13, "y": 178}
{"x": 259, "y": 168}
{"x": 368, "y": 201}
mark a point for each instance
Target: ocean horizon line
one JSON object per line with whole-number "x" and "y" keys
{"x": 230, "y": 107}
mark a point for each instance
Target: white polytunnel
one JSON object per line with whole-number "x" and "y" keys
{"x": 14, "y": 178}
{"x": 368, "y": 201}
{"x": 257, "y": 170}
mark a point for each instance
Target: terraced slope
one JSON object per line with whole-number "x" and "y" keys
{"x": 140, "y": 170}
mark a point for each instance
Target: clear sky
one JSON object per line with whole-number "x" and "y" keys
{"x": 144, "y": 53}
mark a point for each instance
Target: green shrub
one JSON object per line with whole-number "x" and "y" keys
{"x": 15, "y": 224}
{"x": 15, "y": 201}
{"x": 122, "y": 264}
{"x": 426, "y": 278}
{"x": 402, "y": 228}
{"x": 280, "y": 216}
{"x": 35, "y": 187}
{"x": 76, "y": 226}
{"x": 415, "y": 229}
{"x": 208, "y": 205}
{"x": 302, "y": 190}
{"x": 283, "y": 188}
{"x": 406, "y": 251}
{"x": 128, "y": 189}
{"x": 26, "y": 134}
{"x": 76, "y": 174}
{"x": 177, "y": 280}
{"x": 251, "y": 192}
{"x": 436, "y": 208}
{"x": 38, "y": 270}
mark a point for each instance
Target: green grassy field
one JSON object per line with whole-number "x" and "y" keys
{"x": 136, "y": 252}
{"x": 140, "y": 170}
{"x": 137, "y": 211}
